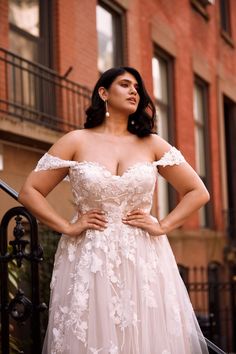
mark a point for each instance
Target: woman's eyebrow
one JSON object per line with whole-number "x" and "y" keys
{"x": 129, "y": 81}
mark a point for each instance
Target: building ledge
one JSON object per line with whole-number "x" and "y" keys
{"x": 27, "y": 133}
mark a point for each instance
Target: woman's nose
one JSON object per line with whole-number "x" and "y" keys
{"x": 134, "y": 90}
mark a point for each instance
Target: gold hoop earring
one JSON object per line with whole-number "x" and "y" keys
{"x": 107, "y": 114}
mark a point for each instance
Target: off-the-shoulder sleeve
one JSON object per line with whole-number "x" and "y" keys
{"x": 49, "y": 162}
{"x": 170, "y": 158}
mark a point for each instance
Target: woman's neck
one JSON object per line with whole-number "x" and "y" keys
{"x": 116, "y": 124}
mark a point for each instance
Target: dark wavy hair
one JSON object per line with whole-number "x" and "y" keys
{"x": 143, "y": 117}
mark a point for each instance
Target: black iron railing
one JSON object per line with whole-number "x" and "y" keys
{"x": 32, "y": 92}
{"x": 230, "y": 220}
{"x": 21, "y": 308}
{"x": 212, "y": 291}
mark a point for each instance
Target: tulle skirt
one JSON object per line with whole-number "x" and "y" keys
{"x": 119, "y": 294}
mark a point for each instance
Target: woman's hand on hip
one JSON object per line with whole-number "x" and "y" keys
{"x": 145, "y": 221}
{"x": 93, "y": 219}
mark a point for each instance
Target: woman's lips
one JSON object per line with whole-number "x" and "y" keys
{"x": 132, "y": 100}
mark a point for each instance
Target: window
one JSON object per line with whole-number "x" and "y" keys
{"x": 25, "y": 15}
{"x": 24, "y": 28}
{"x": 225, "y": 16}
{"x": 162, "y": 87}
{"x": 201, "y": 139}
{"x": 29, "y": 38}
{"x": 110, "y": 23}
{"x": 29, "y": 29}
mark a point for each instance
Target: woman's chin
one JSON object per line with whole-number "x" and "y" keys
{"x": 131, "y": 110}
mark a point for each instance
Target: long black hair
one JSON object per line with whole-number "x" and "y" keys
{"x": 142, "y": 119}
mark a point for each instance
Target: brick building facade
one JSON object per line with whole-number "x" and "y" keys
{"x": 185, "y": 51}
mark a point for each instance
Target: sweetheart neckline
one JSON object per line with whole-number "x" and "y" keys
{"x": 99, "y": 164}
{"x": 175, "y": 158}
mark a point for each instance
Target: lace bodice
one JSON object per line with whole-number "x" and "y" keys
{"x": 94, "y": 186}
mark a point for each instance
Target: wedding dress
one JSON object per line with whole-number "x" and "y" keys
{"x": 118, "y": 291}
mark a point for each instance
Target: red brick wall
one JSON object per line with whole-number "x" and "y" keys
{"x": 4, "y": 23}
{"x": 75, "y": 33}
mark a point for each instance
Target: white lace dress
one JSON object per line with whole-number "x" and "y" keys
{"x": 118, "y": 291}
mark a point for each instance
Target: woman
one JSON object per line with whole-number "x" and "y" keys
{"x": 115, "y": 286}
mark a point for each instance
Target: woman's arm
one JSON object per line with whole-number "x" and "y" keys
{"x": 192, "y": 191}
{"x": 186, "y": 182}
{"x": 39, "y": 184}
{"x": 33, "y": 196}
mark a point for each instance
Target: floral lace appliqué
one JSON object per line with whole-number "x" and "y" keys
{"x": 49, "y": 162}
{"x": 170, "y": 158}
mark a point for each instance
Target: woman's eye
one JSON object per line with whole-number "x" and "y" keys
{"x": 124, "y": 85}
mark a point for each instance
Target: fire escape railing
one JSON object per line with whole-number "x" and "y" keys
{"x": 34, "y": 93}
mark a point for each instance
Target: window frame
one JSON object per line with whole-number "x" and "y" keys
{"x": 169, "y": 60}
{"x": 119, "y": 29}
{"x": 226, "y": 31}
{"x": 170, "y": 109}
{"x": 225, "y": 21}
{"x": 204, "y": 86}
{"x": 45, "y": 38}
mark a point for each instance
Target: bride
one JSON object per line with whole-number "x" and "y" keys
{"x": 115, "y": 286}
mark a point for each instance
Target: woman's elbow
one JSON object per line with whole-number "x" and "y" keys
{"x": 205, "y": 196}
{"x": 21, "y": 197}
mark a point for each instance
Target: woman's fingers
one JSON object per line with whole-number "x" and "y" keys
{"x": 136, "y": 212}
{"x": 96, "y": 217}
{"x": 97, "y": 222}
{"x": 96, "y": 211}
{"x": 96, "y": 226}
{"x": 134, "y": 217}
{"x": 94, "y": 214}
{"x": 135, "y": 222}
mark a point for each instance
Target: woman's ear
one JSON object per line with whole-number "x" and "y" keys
{"x": 103, "y": 93}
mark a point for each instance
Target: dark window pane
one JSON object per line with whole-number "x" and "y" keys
{"x": 225, "y": 15}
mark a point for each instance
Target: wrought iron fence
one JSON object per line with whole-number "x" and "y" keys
{"x": 212, "y": 291}
{"x": 19, "y": 308}
{"x": 32, "y": 92}
{"x": 230, "y": 221}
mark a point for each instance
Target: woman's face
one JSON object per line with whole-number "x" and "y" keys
{"x": 123, "y": 94}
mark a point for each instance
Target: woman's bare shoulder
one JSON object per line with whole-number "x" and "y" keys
{"x": 158, "y": 145}
{"x": 67, "y": 145}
